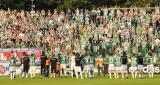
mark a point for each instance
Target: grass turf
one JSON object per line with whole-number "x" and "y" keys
{"x": 5, "y": 80}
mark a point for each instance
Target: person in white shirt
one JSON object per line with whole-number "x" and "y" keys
{"x": 72, "y": 63}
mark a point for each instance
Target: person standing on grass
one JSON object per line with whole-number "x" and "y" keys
{"x": 118, "y": 65}
{"x": 140, "y": 65}
{"x": 78, "y": 66}
{"x": 47, "y": 66}
{"x": 33, "y": 66}
{"x": 92, "y": 62}
{"x": 105, "y": 62}
{"x": 63, "y": 60}
{"x": 26, "y": 65}
{"x": 53, "y": 61}
{"x": 86, "y": 65}
{"x": 58, "y": 67}
{"x": 12, "y": 64}
{"x": 100, "y": 65}
{"x": 134, "y": 66}
{"x": 111, "y": 67}
{"x": 43, "y": 63}
{"x": 124, "y": 61}
{"x": 150, "y": 60}
{"x": 72, "y": 63}
{"x": 21, "y": 68}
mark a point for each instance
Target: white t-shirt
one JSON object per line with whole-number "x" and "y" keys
{"x": 72, "y": 60}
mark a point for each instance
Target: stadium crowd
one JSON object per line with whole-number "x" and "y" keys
{"x": 98, "y": 32}
{"x": 81, "y": 30}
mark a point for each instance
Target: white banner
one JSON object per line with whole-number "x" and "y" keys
{"x": 4, "y": 67}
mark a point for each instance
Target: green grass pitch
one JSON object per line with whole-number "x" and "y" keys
{"x": 5, "y": 80}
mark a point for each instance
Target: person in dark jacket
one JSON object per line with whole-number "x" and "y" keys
{"x": 43, "y": 63}
{"x": 140, "y": 65}
{"x": 124, "y": 60}
{"x": 78, "y": 66}
{"x": 25, "y": 62}
{"x": 47, "y": 66}
{"x": 53, "y": 61}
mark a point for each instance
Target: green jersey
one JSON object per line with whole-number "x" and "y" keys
{"x": 117, "y": 61}
{"x": 12, "y": 61}
{"x": 150, "y": 60}
{"x": 32, "y": 60}
{"x": 86, "y": 61}
{"x": 63, "y": 59}
{"x": 111, "y": 60}
{"x": 134, "y": 61}
{"x": 91, "y": 60}
{"x": 105, "y": 60}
